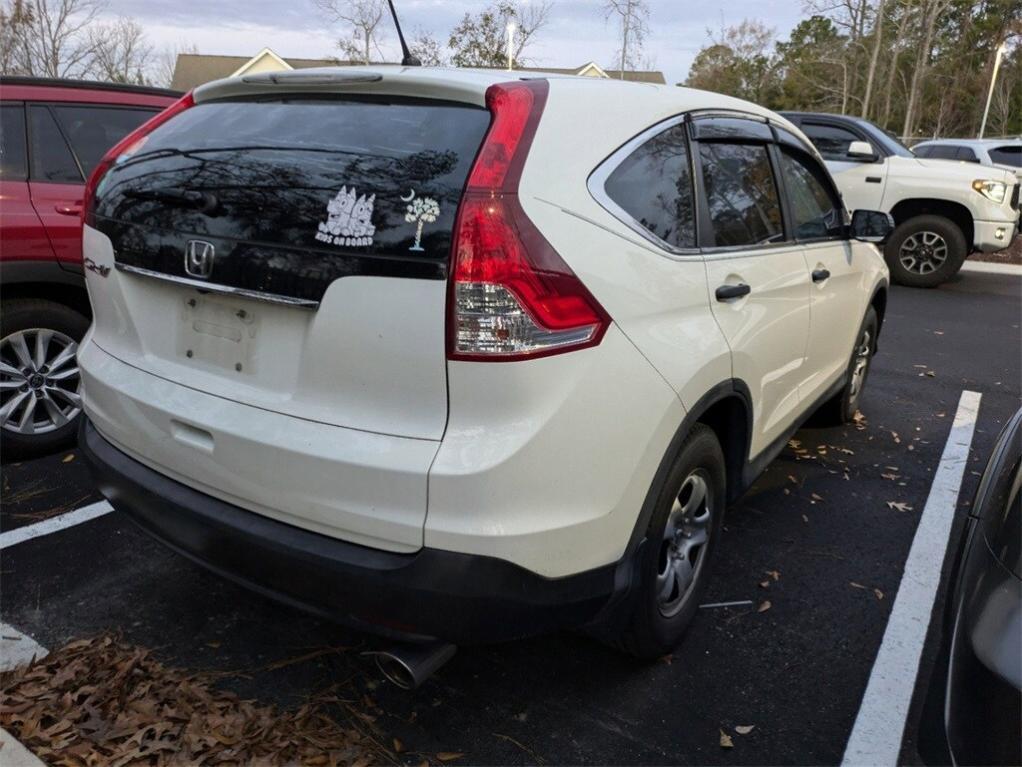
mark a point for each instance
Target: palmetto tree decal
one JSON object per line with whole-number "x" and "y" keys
{"x": 420, "y": 210}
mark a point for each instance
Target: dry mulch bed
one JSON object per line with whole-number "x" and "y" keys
{"x": 105, "y": 702}
{"x": 1010, "y": 255}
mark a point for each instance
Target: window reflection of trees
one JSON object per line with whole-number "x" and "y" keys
{"x": 741, "y": 194}
{"x": 654, "y": 186}
{"x": 815, "y": 212}
{"x": 270, "y": 201}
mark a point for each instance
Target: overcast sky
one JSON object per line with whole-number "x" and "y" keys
{"x": 577, "y": 32}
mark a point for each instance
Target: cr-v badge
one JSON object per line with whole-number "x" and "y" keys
{"x": 348, "y": 220}
{"x": 199, "y": 256}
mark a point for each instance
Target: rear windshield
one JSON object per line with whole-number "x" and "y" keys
{"x": 1007, "y": 155}
{"x": 363, "y": 176}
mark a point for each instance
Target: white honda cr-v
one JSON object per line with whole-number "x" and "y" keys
{"x": 452, "y": 355}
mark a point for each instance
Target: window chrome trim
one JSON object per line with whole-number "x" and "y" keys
{"x": 227, "y": 290}
{"x": 598, "y": 180}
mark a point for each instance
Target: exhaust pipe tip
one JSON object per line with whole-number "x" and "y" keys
{"x": 409, "y": 665}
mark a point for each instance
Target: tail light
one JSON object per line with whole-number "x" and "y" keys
{"x": 512, "y": 296}
{"x": 124, "y": 149}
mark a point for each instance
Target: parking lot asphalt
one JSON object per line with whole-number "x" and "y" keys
{"x": 814, "y": 545}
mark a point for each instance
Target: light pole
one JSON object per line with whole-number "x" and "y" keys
{"x": 510, "y": 45}
{"x": 1001, "y": 50}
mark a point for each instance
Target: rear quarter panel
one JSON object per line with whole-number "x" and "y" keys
{"x": 659, "y": 300}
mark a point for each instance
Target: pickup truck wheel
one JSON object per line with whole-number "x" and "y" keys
{"x": 925, "y": 251}
{"x": 679, "y": 542}
{"x": 39, "y": 377}
{"x": 841, "y": 408}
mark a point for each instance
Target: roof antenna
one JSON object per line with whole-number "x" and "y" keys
{"x": 409, "y": 60}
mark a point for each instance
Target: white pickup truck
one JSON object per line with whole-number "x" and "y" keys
{"x": 943, "y": 210}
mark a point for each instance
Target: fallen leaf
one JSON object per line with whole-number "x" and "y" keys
{"x": 878, "y": 593}
{"x": 214, "y": 645}
{"x": 764, "y": 606}
{"x": 667, "y": 659}
{"x": 725, "y": 740}
{"x": 816, "y": 497}
{"x": 855, "y": 585}
{"x": 775, "y": 574}
{"x": 398, "y": 746}
{"x": 891, "y": 476}
{"x": 899, "y": 506}
{"x": 764, "y": 584}
{"x": 449, "y": 756}
{"x": 745, "y": 729}
{"x": 793, "y": 480}
{"x": 897, "y": 439}
{"x": 805, "y": 518}
{"x": 930, "y": 373}
{"x": 68, "y": 458}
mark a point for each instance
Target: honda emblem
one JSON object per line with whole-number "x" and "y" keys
{"x": 199, "y": 256}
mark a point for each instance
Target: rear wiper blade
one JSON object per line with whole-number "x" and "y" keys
{"x": 175, "y": 195}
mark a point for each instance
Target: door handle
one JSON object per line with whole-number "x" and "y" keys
{"x": 727, "y": 292}
{"x": 873, "y": 179}
{"x": 74, "y": 209}
{"x": 819, "y": 275}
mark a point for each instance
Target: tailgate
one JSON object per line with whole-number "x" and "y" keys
{"x": 290, "y": 253}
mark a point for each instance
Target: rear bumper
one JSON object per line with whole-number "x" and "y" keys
{"x": 459, "y": 598}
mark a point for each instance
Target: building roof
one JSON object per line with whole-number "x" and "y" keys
{"x": 193, "y": 69}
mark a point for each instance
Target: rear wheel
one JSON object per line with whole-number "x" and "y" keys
{"x": 39, "y": 376}
{"x": 925, "y": 251}
{"x": 680, "y": 539}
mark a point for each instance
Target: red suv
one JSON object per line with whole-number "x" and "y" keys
{"x": 52, "y": 133}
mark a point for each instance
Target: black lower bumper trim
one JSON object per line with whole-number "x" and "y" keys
{"x": 459, "y": 598}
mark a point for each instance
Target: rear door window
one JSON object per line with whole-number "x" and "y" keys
{"x": 92, "y": 131}
{"x": 815, "y": 207}
{"x": 653, "y": 185}
{"x": 1007, "y": 155}
{"x": 965, "y": 154}
{"x": 741, "y": 195}
{"x": 51, "y": 158}
{"x": 13, "y": 155}
{"x": 944, "y": 152}
{"x": 831, "y": 140}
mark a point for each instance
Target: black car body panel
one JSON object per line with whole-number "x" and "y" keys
{"x": 983, "y": 692}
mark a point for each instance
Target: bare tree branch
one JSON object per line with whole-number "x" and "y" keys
{"x": 633, "y": 16}
{"x": 363, "y": 17}
{"x": 120, "y": 52}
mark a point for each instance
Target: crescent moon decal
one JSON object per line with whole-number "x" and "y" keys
{"x": 410, "y": 197}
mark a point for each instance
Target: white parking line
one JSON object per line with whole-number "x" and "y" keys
{"x": 53, "y": 524}
{"x": 880, "y": 724}
{"x": 17, "y": 649}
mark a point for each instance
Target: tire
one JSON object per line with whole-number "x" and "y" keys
{"x": 56, "y": 405}
{"x": 842, "y": 407}
{"x": 657, "y": 623}
{"x": 925, "y": 251}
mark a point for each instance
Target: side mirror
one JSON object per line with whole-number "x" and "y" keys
{"x": 861, "y": 150}
{"x": 871, "y": 226}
